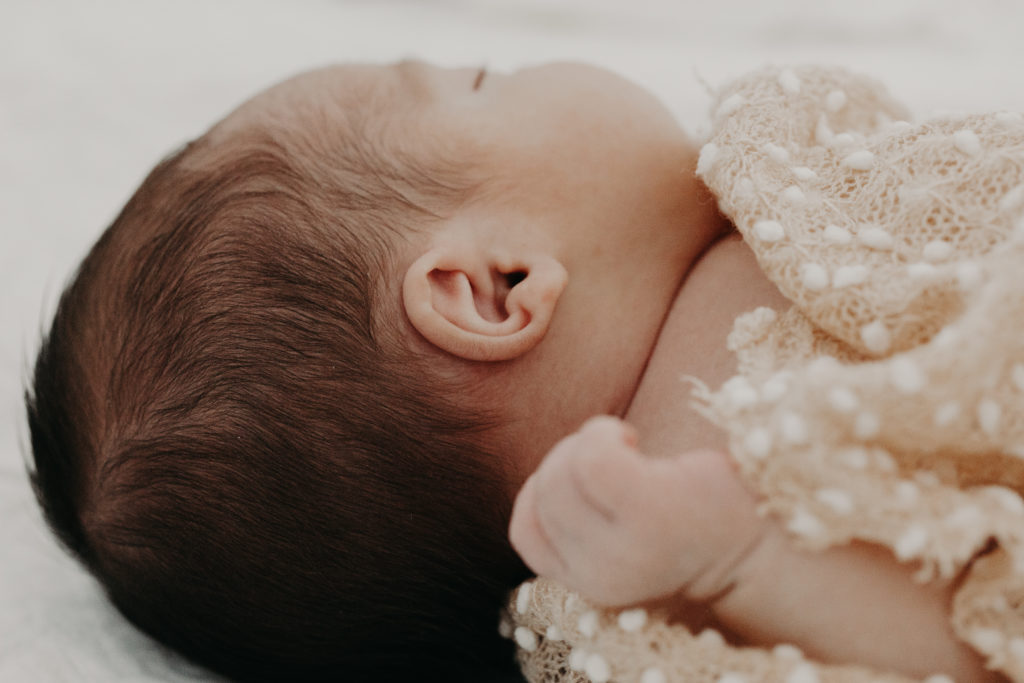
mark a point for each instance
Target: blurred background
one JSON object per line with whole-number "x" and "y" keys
{"x": 92, "y": 94}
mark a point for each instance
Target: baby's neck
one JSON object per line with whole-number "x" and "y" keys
{"x": 724, "y": 283}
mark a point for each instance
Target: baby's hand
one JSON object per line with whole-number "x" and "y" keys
{"x": 622, "y": 529}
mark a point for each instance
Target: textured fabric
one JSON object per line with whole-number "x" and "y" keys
{"x": 887, "y": 404}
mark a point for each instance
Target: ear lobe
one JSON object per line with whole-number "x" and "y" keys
{"x": 480, "y": 307}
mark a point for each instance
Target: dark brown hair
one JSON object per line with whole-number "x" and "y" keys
{"x": 233, "y": 441}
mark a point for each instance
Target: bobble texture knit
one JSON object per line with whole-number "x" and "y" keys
{"x": 890, "y": 396}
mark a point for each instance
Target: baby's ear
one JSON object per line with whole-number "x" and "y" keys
{"x": 480, "y": 306}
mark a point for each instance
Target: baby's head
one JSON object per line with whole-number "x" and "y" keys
{"x": 288, "y": 397}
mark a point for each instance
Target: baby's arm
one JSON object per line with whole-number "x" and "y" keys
{"x": 623, "y": 529}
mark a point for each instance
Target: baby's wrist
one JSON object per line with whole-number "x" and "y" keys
{"x": 735, "y": 569}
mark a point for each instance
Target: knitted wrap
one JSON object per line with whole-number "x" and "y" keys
{"x": 887, "y": 404}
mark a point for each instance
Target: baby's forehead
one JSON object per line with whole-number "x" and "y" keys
{"x": 331, "y": 82}
{"x": 327, "y": 95}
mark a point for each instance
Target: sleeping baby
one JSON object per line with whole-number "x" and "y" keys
{"x": 290, "y": 395}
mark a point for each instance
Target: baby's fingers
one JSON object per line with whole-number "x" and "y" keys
{"x": 591, "y": 475}
{"x": 605, "y": 470}
{"x": 530, "y": 539}
{"x": 567, "y": 515}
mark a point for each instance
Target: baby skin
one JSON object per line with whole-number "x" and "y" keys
{"x": 591, "y": 274}
{"x": 681, "y": 532}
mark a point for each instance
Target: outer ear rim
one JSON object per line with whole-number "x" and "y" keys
{"x": 530, "y": 305}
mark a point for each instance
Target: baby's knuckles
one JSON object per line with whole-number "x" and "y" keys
{"x": 689, "y": 527}
{"x": 607, "y": 468}
{"x": 556, "y": 506}
{"x": 527, "y": 536}
{"x": 651, "y": 546}
{"x": 638, "y": 528}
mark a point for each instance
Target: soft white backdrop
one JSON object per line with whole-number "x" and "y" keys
{"x": 92, "y": 94}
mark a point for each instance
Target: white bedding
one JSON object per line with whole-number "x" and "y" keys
{"x": 93, "y": 93}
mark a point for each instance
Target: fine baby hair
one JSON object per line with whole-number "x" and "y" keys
{"x": 230, "y": 436}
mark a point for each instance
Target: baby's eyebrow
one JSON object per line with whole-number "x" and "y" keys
{"x": 412, "y": 75}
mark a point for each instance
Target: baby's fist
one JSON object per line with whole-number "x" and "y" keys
{"x": 565, "y": 521}
{"x": 621, "y": 528}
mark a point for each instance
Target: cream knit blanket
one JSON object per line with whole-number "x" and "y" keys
{"x": 887, "y": 404}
